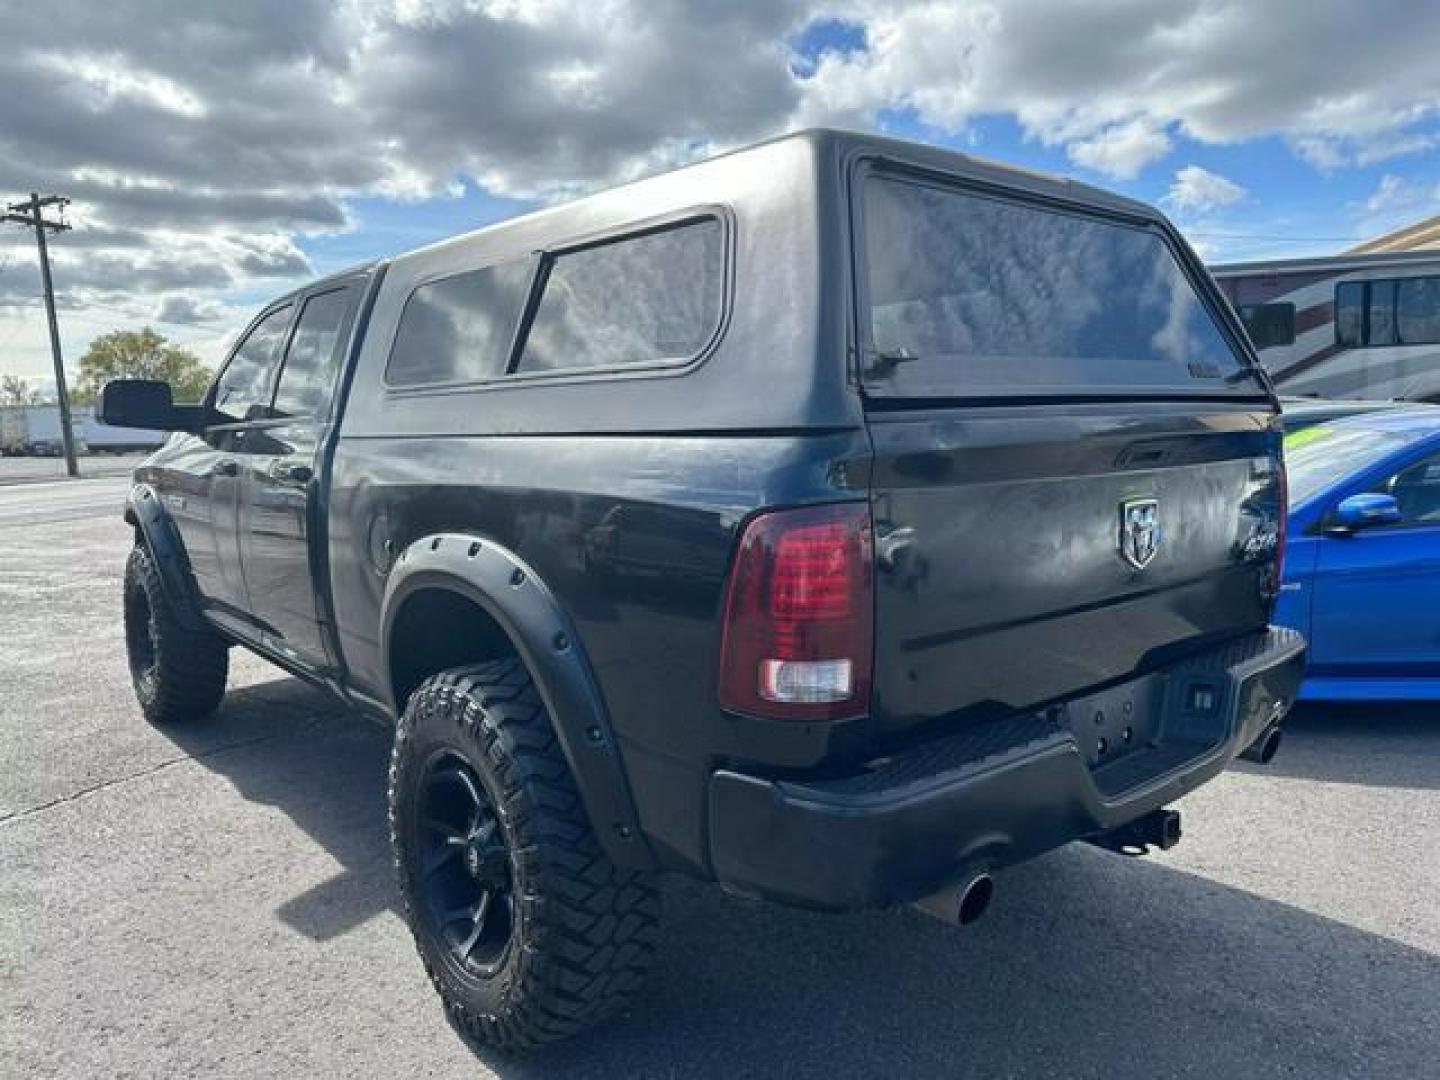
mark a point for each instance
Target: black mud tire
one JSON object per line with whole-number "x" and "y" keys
{"x": 179, "y": 675}
{"x": 581, "y": 931}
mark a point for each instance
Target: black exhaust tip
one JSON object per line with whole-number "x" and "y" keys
{"x": 963, "y": 904}
{"x": 975, "y": 899}
{"x": 1264, "y": 749}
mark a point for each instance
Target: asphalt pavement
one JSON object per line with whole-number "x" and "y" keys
{"x": 30, "y": 470}
{"x": 217, "y": 901}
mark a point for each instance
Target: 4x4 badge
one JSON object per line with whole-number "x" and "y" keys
{"x": 1139, "y": 531}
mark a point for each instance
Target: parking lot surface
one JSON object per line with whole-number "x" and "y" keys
{"x": 29, "y": 470}
{"x": 218, "y": 901}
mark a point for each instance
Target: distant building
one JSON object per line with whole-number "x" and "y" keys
{"x": 1421, "y": 236}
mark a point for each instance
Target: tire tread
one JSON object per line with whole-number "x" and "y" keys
{"x": 191, "y": 667}
{"x": 590, "y": 926}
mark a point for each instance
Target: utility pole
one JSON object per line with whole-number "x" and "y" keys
{"x": 29, "y": 213}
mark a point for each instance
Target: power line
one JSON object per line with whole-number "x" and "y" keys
{"x": 30, "y": 213}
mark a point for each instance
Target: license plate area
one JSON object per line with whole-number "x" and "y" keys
{"x": 1113, "y": 724}
{"x": 1147, "y": 727}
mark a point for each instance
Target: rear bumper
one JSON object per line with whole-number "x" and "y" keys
{"x": 992, "y": 795}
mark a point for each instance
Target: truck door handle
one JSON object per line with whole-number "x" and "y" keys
{"x": 299, "y": 474}
{"x": 228, "y": 467}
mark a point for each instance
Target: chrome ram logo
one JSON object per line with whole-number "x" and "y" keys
{"x": 1139, "y": 531}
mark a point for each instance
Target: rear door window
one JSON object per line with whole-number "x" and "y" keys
{"x": 970, "y": 294}
{"x": 313, "y": 358}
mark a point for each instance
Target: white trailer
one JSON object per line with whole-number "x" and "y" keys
{"x": 104, "y": 439}
{"x": 1344, "y": 326}
{"x": 34, "y": 430}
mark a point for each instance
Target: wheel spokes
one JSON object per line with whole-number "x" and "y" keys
{"x": 462, "y": 862}
{"x": 444, "y": 828}
{"x": 479, "y": 927}
{"x": 443, "y": 855}
{"x": 469, "y": 785}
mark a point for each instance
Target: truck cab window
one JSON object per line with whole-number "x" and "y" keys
{"x": 243, "y": 392}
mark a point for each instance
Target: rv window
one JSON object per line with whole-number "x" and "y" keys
{"x": 1269, "y": 324}
{"x": 1380, "y": 327}
{"x": 1350, "y": 314}
{"x": 1392, "y": 311}
{"x": 1417, "y": 311}
{"x": 458, "y": 329}
{"x": 645, "y": 299}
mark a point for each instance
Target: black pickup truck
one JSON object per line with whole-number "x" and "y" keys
{"x": 841, "y": 520}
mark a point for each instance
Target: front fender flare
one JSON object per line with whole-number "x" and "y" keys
{"x": 145, "y": 511}
{"x": 500, "y": 583}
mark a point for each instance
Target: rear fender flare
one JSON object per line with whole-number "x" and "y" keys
{"x": 511, "y": 593}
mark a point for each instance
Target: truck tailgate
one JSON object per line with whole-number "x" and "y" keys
{"x": 1002, "y": 583}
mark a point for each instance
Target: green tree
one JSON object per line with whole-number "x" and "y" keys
{"x": 140, "y": 354}
{"x": 16, "y": 391}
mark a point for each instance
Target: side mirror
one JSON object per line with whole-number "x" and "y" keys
{"x": 144, "y": 403}
{"x": 1364, "y": 511}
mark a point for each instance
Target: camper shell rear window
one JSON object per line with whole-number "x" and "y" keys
{"x": 964, "y": 293}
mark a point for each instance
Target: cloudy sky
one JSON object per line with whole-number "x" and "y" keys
{"x": 219, "y": 152}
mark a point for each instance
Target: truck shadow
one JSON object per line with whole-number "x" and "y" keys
{"x": 1385, "y": 744}
{"x": 1089, "y": 964}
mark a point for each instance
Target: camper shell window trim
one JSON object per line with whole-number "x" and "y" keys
{"x": 866, "y": 164}
{"x": 542, "y": 259}
{"x": 1368, "y": 287}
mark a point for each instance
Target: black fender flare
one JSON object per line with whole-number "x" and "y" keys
{"x": 146, "y": 512}
{"x": 511, "y": 593}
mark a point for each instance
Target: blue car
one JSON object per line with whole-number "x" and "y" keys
{"x": 1362, "y": 557}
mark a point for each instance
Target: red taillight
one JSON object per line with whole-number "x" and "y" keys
{"x": 799, "y": 615}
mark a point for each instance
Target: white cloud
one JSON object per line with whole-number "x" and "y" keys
{"x": 103, "y": 80}
{"x": 199, "y": 142}
{"x": 1200, "y": 190}
{"x": 1104, "y": 80}
{"x": 1121, "y": 150}
{"x": 1388, "y": 194}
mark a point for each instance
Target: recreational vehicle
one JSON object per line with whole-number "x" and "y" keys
{"x": 1344, "y": 326}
